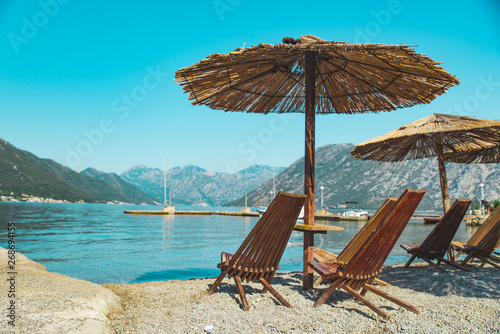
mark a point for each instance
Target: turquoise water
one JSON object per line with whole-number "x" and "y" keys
{"x": 101, "y": 244}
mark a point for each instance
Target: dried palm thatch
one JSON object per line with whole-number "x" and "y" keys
{"x": 431, "y": 137}
{"x": 350, "y": 78}
{"x": 489, "y": 155}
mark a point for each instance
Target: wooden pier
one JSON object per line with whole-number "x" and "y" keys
{"x": 163, "y": 213}
{"x": 237, "y": 213}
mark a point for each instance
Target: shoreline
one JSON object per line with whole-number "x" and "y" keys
{"x": 451, "y": 302}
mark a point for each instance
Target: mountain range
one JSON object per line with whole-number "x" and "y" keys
{"x": 369, "y": 183}
{"x": 343, "y": 178}
{"x": 24, "y": 173}
{"x": 197, "y": 186}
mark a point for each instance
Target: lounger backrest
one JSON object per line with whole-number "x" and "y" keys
{"x": 365, "y": 233}
{"x": 490, "y": 242}
{"x": 367, "y": 262}
{"x": 438, "y": 241}
{"x": 487, "y": 225}
{"x": 261, "y": 251}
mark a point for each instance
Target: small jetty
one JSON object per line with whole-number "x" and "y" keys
{"x": 237, "y": 213}
{"x": 242, "y": 213}
{"x": 194, "y": 213}
{"x": 160, "y": 212}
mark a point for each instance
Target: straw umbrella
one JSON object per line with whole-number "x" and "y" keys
{"x": 310, "y": 75}
{"x": 488, "y": 155}
{"x": 431, "y": 136}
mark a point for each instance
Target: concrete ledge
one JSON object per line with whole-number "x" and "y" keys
{"x": 48, "y": 302}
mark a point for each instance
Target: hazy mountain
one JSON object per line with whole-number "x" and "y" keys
{"x": 369, "y": 183}
{"x": 117, "y": 182}
{"x": 24, "y": 173}
{"x": 195, "y": 185}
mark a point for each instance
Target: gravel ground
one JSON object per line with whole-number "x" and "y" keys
{"x": 453, "y": 302}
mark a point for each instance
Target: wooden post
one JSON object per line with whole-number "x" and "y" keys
{"x": 310, "y": 77}
{"x": 442, "y": 176}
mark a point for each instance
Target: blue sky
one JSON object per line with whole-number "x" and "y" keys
{"x": 89, "y": 83}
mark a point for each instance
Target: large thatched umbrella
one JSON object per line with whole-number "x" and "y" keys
{"x": 431, "y": 137}
{"x": 311, "y": 75}
{"x": 488, "y": 155}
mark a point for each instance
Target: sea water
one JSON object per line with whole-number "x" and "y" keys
{"x": 101, "y": 244}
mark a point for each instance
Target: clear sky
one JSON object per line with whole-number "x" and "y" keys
{"x": 89, "y": 83}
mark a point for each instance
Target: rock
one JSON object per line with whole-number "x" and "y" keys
{"x": 53, "y": 303}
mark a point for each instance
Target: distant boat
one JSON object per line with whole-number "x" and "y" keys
{"x": 354, "y": 212}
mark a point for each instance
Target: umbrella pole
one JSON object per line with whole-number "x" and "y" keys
{"x": 310, "y": 78}
{"x": 442, "y": 177}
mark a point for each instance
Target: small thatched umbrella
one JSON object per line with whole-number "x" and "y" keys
{"x": 431, "y": 137}
{"x": 311, "y": 75}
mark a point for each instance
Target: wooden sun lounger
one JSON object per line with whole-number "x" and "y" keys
{"x": 358, "y": 241}
{"x": 482, "y": 244}
{"x": 258, "y": 257}
{"x": 366, "y": 264}
{"x": 437, "y": 243}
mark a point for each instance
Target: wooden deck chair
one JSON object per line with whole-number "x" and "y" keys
{"x": 482, "y": 244}
{"x": 358, "y": 241}
{"x": 258, "y": 257}
{"x": 366, "y": 264}
{"x": 437, "y": 243}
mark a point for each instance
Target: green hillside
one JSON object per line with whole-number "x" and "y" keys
{"x": 24, "y": 173}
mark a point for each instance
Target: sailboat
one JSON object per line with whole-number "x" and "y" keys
{"x": 166, "y": 209}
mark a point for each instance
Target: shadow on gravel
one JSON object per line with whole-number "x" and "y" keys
{"x": 480, "y": 283}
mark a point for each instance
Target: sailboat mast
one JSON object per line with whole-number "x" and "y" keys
{"x": 274, "y": 185}
{"x": 165, "y": 181}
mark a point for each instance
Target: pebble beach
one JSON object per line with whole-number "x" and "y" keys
{"x": 453, "y": 302}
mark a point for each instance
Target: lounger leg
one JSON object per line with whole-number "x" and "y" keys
{"x": 433, "y": 264}
{"x": 328, "y": 292}
{"x": 241, "y": 292}
{"x": 270, "y": 280}
{"x": 456, "y": 265}
{"x": 410, "y": 260}
{"x": 395, "y": 300}
{"x": 494, "y": 257}
{"x": 275, "y": 293}
{"x": 380, "y": 282}
{"x": 318, "y": 282}
{"x": 366, "y": 302}
{"x": 451, "y": 254}
{"x": 464, "y": 262}
{"x": 489, "y": 262}
{"x": 217, "y": 282}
